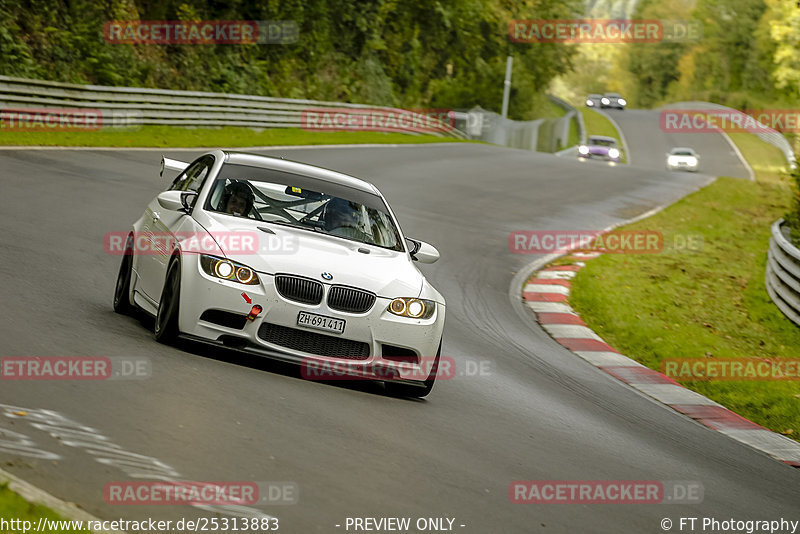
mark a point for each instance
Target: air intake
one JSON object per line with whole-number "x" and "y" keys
{"x": 299, "y": 289}
{"x": 348, "y": 299}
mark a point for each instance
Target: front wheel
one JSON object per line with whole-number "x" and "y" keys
{"x": 404, "y": 390}
{"x": 166, "y": 328}
{"x": 122, "y": 291}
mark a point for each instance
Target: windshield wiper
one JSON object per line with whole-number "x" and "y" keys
{"x": 304, "y": 225}
{"x": 284, "y": 223}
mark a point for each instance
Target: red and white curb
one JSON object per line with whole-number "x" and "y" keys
{"x": 546, "y": 293}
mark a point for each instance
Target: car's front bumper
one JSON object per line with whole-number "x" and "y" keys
{"x": 681, "y": 167}
{"x": 376, "y": 331}
{"x": 604, "y": 157}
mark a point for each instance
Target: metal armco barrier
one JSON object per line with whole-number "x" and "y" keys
{"x": 783, "y": 273}
{"x": 133, "y": 106}
{"x": 491, "y": 127}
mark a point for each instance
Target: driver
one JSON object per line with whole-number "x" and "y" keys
{"x": 237, "y": 199}
{"x": 342, "y": 218}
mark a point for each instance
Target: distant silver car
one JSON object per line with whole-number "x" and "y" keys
{"x": 593, "y": 100}
{"x": 682, "y": 159}
{"x": 613, "y": 100}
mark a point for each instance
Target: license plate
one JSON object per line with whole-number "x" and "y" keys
{"x": 320, "y": 322}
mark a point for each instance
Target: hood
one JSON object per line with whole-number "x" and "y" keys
{"x": 281, "y": 249}
{"x": 598, "y": 149}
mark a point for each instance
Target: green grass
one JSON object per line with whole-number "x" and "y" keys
{"x": 597, "y": 124}
{"x": 172, "y": 136}
{"x": 12, "y": 506}
{"x": 547, "y": 109}
{"x": 709, "y": 303}
{"x": 767, "y": 161}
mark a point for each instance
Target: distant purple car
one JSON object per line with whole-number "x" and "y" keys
{"x": 600, "y": 146}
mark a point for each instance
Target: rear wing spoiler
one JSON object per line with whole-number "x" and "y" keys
{"x": 172, "y": 164}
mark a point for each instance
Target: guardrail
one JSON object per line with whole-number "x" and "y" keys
{"x": 564, "y": 125}
{"x": 491, "y": 127}
{"x": 134, "y": 106}
{"x": 783, "y": 273}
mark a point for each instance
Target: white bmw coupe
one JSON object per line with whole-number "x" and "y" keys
{"x": 286, "y": 260}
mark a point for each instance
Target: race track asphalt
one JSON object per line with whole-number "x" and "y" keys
{"x": 213, "y": 415}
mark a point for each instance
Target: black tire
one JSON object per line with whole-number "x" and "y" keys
{"x": 404, "y": 390}
{"x": 122, "y": 291}
{"x": 166, "y": 327}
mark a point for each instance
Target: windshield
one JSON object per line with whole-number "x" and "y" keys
{"x": 683, "y": 153}
{"x": 602, "y": 142}
{"x": 305, "y": 203}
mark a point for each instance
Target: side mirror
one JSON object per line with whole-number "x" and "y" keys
{"x": 176, "y": 200}
{"x": 413, "y": 246}
{"x": 423, "y": 252}
{"x": 188, "y": 199}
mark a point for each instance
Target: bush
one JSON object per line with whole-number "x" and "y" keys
{"x": 792, "y": 218}
{"x": 414, "y": 53}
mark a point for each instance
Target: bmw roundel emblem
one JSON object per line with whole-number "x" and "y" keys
{"x": 327, "y": 276}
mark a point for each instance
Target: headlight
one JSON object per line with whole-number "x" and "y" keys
{"x": 583, "y": 149}
{"x": 692, "y": 161}
{"x": 589, "y": 103}
{"x": 672, "y": 160}
{"x": 613, "y": 153}
{"x": 604, "y": 100}
{"x": 622, "y": 101}
{"x": 228, "y": 270}
{"x": 411, "y": 307}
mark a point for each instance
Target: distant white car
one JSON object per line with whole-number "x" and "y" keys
{"x": 682, "y": 159}
{"x": 286, "y": 260}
